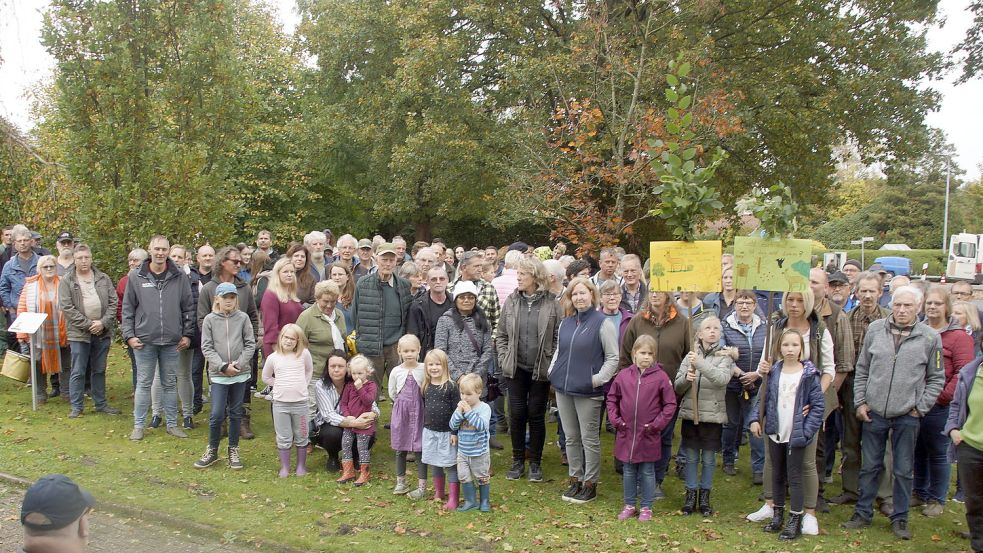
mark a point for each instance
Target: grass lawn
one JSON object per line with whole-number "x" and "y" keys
{"x": 314, "y": 513}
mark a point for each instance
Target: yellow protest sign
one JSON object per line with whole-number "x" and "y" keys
{"x": 774, "y": 265}
{"x": 685, "y": 266}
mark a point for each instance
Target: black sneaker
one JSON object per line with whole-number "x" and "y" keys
{"x": 517, "y": 470}
{"x": 658, "y": 493}
{"x": 155, "y": 421}
{"x": 900, "y": 529}
{"x": 234, "y": 462}
{"x": 757, "y": 478}
{"x": 856, "y": 522}
{"x": 572, "y": 491}
{"x": 588, "y": 491}
{"x": 729, "y": 470}
{"x": 188, "y": 423}
{"x": 535, "y": 472}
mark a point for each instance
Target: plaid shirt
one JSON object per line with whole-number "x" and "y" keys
{"x": 487, "y": 301}
{"x": 860, "y": 320}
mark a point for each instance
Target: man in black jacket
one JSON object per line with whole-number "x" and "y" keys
{"x": 427, "y": 309}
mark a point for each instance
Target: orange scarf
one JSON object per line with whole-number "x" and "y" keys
{"x": 34, "y": 299}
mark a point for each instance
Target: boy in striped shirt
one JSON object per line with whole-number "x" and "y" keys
{"x": 470, "y": 422}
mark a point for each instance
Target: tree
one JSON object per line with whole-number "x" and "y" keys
{"x": 972, "y": 45}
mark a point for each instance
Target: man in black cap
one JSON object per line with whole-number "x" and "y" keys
{"x": 55, "y": 516}
{"x": 65, "y": 244}
{"x": 839, "y": 288}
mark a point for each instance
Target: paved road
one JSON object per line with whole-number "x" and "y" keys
{"x": 111, "y": 533}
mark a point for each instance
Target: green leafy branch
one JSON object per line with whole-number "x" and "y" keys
{"x": 774, "y": 207}
{"x": 685, "y": 190}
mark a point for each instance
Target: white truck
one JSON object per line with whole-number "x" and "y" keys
{"x": 965, "y": 258}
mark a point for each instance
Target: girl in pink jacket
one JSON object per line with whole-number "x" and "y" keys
{"x": 640, "y": 404}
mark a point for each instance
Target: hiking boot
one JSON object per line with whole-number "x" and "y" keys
{"x": 188, "y": 423}
{"x": 107, "y": 410}
{"x": 572, "y": 491}
{"x": 209, "y": 458}
{"x": 75, "y": 413}
{"x": 517, "y": 470}
{"x": 933, "y": 509}
{"x": 588, "y": 491}
{"x": 900, "y": 529}
{"x": 757, "y": 478}
{"x": 777, "y": 520}
{"x": 689, "y": 504}
{"x": 793, "y": 528}
{"x": 856, "y": 522}
{"x": 494, "y": 443}
{"x": 535, "y": 472}
{"x": 886, "y": 508}
{"x": 705, "y": 508}
{"x": 234, "y": 462}
{"x": 821, "y": 505}
{"x": 845, "y": 498}
{"x": 917, "y": 501}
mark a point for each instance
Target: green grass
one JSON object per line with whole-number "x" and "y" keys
{"x": 315, "y": 513}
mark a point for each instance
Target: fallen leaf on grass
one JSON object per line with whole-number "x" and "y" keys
{"x": 710, "y": 534}
{"x": 507, "y": 547}
{"x": 399, "y": 530}
{"x": 936, "y": 537}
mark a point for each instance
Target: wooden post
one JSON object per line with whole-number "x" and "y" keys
{"x": 767, "y": 353}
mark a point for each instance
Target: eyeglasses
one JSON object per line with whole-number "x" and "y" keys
{"x": 236, "y": 261}
{"x": 47, "y": 267}
{"x": 744, "y": 303}
{"x": 611, "y": 294}
{"x": 962, "y": 294}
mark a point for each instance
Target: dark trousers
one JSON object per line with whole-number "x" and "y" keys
{"x": 901, "y": 432}
{"x": 527, "y": 406}
{"x": 738, "y": 420}
{"x": 786, "y": 469}
{"x": 329, "y": 438}
{"x": 198, "y": 378}
{"x": 383, "y": 365}
{"x": 133, "y": 366}
{"x": 834, "y": 430}
{"x": 850, "y": 443}
{"x": 970, "y": 467}
{"x": 932, "y": 468}
{"x": 662, "y": 465}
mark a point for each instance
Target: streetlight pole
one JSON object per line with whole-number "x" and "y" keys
{"x": 945, "y": 218}
{"x": 862, "y": 242}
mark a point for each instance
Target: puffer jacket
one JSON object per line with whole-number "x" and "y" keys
{"x": 70, "y": 298}
{"x": 158, "y": 313}
{"x": 810, "y": 392}
{"x": 707, "y": 393}
{"x": 227, "y": 338}
{"x": 369, "y": 311}
{"x": 640, "y": 405}
{"x": 507, "y": 335}
{"x": 957, "y": 351}
{"x": 749, "y": 348}
{"x": 958, "y": 408}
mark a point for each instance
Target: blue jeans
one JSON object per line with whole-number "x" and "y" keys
{"x": 226, "y": 396}
{"x": 693, "y": 462}
{"x": 902, "y": 431}
{"x": 89, "y": 355}
{"x": 932, "y": 468}
{"x": 150, "y": 359}
{"x": 639, "y": 484}
{"x": 738, "y": 422}
{"x": 662, "y": 465}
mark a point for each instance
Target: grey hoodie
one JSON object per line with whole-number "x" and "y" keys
{"x": 158, "y": 313}
{"x": 893, "y": 381}
{"x": 227, "y": 339}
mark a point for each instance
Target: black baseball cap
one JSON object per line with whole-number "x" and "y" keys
{"x": 838, "y": 276}
{"x": 54, "y": 502}
{"x": 65, "y": 237}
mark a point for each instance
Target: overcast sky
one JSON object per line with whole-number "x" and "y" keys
{"x": 25, "y": 64}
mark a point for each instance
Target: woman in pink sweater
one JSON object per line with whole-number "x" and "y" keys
{"x": 280, "y": 305}
{"x": 288, "y": 371}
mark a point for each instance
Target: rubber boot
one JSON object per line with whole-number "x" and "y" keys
{"x": 777, "y": 519}
{"x": 438, "y": 488}
{"x": 347, "y": 472}
{"x": 245, "y": 431}
{"x": 705, "y": 508}
{"x": 363, "y": 475}
{"x": 453, "y": 494}
{"x": 469, "y": 502}
{"x": 793, "y": 528}
{"x": 284, "y": 463}
{"x": 301, "y": 461}
{"x": 484, "y": 493}
{"x": 689, "y": 505}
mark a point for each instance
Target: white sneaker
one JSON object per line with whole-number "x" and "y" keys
{"x": 810, "y": 525}
{"x": 762, "y": 514}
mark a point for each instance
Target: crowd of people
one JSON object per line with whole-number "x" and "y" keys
{"x": 472, "y": 344}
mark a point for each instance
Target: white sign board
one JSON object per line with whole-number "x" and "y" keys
{"x": 27, "y": 323}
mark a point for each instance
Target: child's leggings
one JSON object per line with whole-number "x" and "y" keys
{"x": 438, "y": 472}
{"x": 361, "y": 441}
{"x": 786, "y": 467}
{"x": 421, "y": 467}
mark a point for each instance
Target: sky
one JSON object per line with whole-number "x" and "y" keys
{"x": 26, "y": 64}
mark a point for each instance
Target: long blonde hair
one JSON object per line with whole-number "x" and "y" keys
{"x": 298, "y": 333}
{"x": 440, "y": 356}
{"x": 283, "y": 293}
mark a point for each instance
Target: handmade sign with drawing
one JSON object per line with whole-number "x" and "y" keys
{"x": 775, "y": 265}
{"x": 685, "y": 266}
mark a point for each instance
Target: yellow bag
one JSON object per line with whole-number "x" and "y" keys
{"x": 350, "y": 343}
{"x": 16, "y": 366}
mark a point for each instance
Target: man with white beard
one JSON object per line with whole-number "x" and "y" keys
{"x": 315, "y": 242}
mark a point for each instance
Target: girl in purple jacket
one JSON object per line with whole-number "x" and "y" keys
{"x": 357, "y": 400}
{"x": 640, "y": 404}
